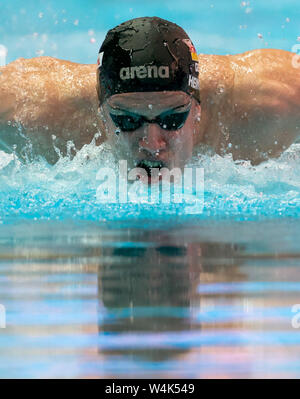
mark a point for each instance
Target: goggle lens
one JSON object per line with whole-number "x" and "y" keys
{"x": 131, "y": 122}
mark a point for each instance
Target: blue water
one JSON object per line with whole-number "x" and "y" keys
{"x": 213, "y": 299}
{"x": 64, "y": 29}
{"x": 69, "y": 190}
{"x": 140, "y": 290}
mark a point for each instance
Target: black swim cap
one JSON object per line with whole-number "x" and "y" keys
{"x": 147, "y": 54}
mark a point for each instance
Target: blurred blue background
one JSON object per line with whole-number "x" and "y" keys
{"x": 74, "y": 30}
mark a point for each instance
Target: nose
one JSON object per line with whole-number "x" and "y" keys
{"x": 153, "y": 139}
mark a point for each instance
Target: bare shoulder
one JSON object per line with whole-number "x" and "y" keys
{"x": 215, "y": 74}
{"x": 7, "y": 97}
{"x": 265, "y": 104}
{"x": 39, "y": 85}
{"x": 272, "y": 77}
{"x": 270, "y": 58}
{"x": 46, "y": 96}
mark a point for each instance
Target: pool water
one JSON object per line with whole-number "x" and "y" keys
{"x": 200, "y": 289}
{"x": 199, "y": 301}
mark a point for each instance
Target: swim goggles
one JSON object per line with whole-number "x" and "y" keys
{"x": 168, "y": 121}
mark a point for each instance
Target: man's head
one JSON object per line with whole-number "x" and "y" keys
{"x": 148, "y": 89}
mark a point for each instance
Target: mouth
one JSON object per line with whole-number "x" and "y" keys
{"x": 148, "y": 165}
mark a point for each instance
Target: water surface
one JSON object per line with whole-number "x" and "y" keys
{"x": 198, "y": 301}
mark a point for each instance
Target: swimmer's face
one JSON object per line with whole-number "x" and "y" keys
{"x": 169, "y": 142}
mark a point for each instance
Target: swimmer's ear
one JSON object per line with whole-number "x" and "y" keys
{"x": 197, "y": 116}
{"x": 197, "y": 111}
{"x": 102, "y": 120}
{"x": 198, "y": 106}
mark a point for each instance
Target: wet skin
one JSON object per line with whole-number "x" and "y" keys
{"x": 172, "y": 148}
{"x": 250, "y": 107}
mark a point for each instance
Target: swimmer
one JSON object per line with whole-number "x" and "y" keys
{"x": 154, "y": 100}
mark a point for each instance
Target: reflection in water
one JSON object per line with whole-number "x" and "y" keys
{"x": 153, "y": 290}
{"x": 202, "y": 301}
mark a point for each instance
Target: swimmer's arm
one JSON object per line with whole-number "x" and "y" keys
{"x": 265, "y": 104}
{"x": 7, "y": 98}
{"x": 47, "y": 96}
{"x": 7, "y": 110}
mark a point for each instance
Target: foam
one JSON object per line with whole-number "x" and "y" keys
{"x": 68, "y": 189}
